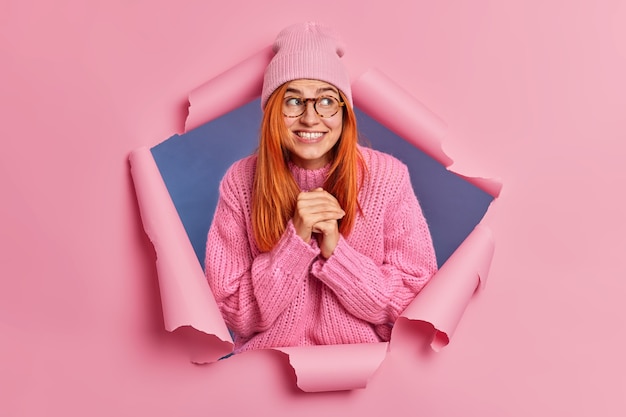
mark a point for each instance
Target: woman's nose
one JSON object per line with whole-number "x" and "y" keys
{"x": 310, "y": 115}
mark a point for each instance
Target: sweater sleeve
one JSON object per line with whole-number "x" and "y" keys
{"x": 378, "y": 293}
{"x": 251, "y": 289}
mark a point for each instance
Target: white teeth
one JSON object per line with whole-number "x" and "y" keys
{"x": 310, "y": 135}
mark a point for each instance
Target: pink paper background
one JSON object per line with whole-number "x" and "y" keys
{"x": 533, "y": 93}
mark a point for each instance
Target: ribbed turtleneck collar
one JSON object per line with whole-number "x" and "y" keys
{"x": 309, "y": 179}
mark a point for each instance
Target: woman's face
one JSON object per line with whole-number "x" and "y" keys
{"x": 312, "y": 136}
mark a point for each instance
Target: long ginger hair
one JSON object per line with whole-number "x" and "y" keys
{"x": 275, "y": 191}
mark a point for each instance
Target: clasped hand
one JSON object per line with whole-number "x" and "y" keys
{"x": 317, "y": 212}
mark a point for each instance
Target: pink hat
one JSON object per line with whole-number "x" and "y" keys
{"x": 306, "y": 50}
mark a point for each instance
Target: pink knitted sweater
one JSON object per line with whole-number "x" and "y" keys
{"x": 291, "y": 295}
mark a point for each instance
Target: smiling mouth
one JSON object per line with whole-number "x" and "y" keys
{"x": 309, "y": 136}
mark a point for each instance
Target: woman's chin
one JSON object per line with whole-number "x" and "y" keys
{"x": 310, "y": 160}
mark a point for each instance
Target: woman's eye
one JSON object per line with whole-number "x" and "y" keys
{"x": 325, "y": 101}
{"x": 293, "y": 101}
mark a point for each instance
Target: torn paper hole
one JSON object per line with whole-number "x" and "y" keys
{"x": 222, "y": 126}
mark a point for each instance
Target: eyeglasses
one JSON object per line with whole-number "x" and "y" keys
{"x": 324, "y": 106}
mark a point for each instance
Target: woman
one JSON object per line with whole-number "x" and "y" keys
{"x": 315, "y": 239}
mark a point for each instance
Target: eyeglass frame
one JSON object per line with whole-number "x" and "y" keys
{"x": 340, "y": 104}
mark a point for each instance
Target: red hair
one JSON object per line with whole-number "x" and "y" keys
{"x": 275, "y": 191}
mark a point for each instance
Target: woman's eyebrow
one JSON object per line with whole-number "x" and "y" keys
{"x": 318, "y": 92}
{"x": 325, "y": 89}
{"x": 293, "y": 90}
